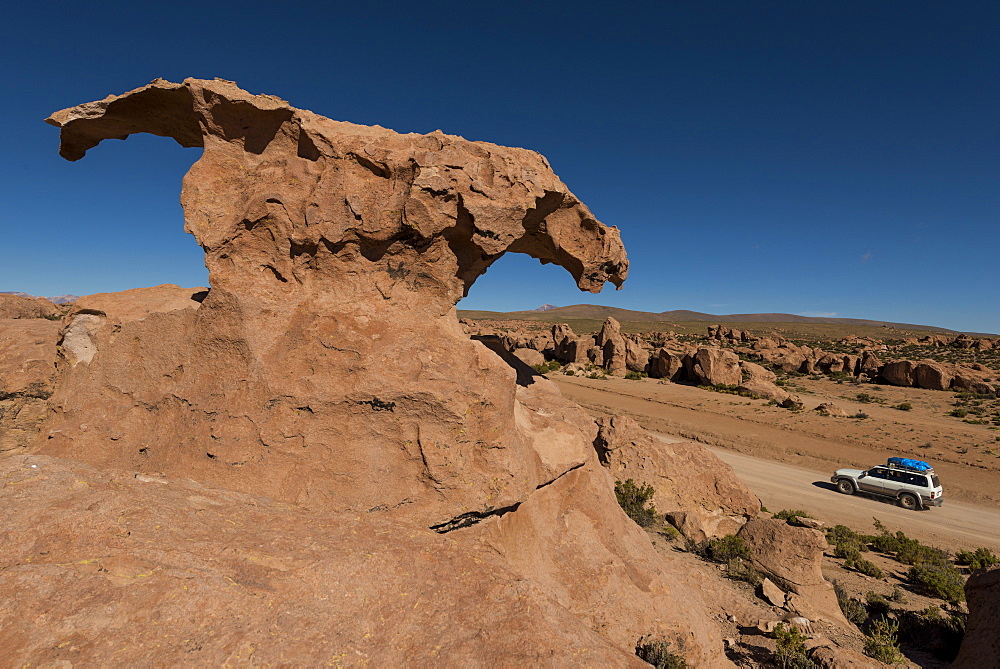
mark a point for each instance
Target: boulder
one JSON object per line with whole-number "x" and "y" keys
{"x": 792, "y": 558}
{"x": 636, "y": 355}
{"x": 932, "y": 375}
{"x": 664, "y": 364}
{"x": 768, "y": 391}
{"x": 772, "y": 593}
{"x": 714, "y": 366}
{"x": 899, "y": 373}
{"x": 699, "y": 506}
{"x": 16, "y": 306}
{"x": 869, "y": 365}
{"x": 567, "y": 347}
{"x": 754, "y": 372}
{"x": 529, "y": 356}
{"x": 614, "y": 350}
{"x": 981, "y": 645}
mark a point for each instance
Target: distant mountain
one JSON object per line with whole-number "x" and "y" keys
{"x": 546, "y": 307}
{"x": 61, "y": 299}
{"x": 595, "y": 312}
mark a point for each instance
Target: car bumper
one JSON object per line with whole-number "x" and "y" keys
{"x": 933, "y": 502}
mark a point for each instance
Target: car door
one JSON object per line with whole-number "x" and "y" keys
{"x": 894, "y": 482}
{"x": 873, "y": 481}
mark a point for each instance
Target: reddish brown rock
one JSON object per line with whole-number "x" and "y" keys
{"x": 27, "y": 378}
{"x": 326, "y": 369}
{"x": 715, "y": 366}
{"x": 664, "y": 364}
{"x": 792, "y": 558}
{"x": 613, "y": 347}
{"x": 122, "y": 569}
{"x": 15, "y": 306}
{"x": 834, "y": 657}
{"x": 899, "y": 373}
{"x": 932, "y": 375}
{"x": 699, "y": 493}
{"x": 981, "y": 645}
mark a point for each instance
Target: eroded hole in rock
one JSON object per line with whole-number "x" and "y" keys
{"x": 378, "y": 405}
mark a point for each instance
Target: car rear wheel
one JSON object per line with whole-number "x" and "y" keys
{"x": 908, "y": 502}
{"x": 845, "y": 487}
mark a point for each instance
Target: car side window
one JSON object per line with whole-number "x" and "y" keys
{"x": 877, "y": 473}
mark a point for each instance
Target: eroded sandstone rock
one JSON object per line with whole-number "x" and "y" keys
{"x": 27, "y": 378}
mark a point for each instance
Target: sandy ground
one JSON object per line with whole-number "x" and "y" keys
{"x": 787, "y": 457}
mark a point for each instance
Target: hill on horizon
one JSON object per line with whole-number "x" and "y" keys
{"x": 597, "y": 312}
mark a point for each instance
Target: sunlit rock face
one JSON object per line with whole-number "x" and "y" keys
{"x": 325, "y": 367}
{"x": 326, "y": 363}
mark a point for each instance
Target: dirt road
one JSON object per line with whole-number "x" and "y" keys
{"x": 782, "y": 486}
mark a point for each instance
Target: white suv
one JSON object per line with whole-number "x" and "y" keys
{"x": 910, "y": 482}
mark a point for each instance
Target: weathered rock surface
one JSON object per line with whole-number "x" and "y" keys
{"x": 792, "y": 558}
{"x": 27, "y": 378}
{"x": 981, "y": 645}
{"x": 698, "y": 493}
{"x": 834, "y": 657}
{"x": 613, "y": 347}
{"x": 331, "y": 407}
{"x": 15, "y": 306}
{"x": 116, "y": 569}
{"x": 714, "y": 366}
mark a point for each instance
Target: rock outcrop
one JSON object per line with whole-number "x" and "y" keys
{"x": 15, "y": 306}
{"x": 698, "y": 493}
{"x": 981, "y": 645}
{"x": 28, "y": 356}
{"x": 792, "y": 558}
{"x": 331, "y": 408}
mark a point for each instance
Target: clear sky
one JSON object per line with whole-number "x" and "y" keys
{"x": 806, "y": 156}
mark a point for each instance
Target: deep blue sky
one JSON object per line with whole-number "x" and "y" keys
{"x": 806, "y": 156}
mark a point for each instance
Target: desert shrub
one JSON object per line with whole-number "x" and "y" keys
{"x": 942, "y": 581}
{"x": 958, "y": 413}
{"x": 791, "y": 515}
{"x": 597, "y": 375}
{"x": 877, "y": 604}
{"x": 726, "y": 548}
{"x": 882, "y": 641}
{"x": 863, "y": 566}
{"x": 907, "y": 550}
{"x": 635, "y": 376}
{"x": 739, "y": 570}
{"x": 864, "y": 398}
{"x": 669, "y": 533}
{"x": 546, "y": 367}
{"x": 941, "y": 635}
{"x": 790, "y": 649}
{"x": 861, "y": 415}
{"x": 852, "y": 608}
{"x": 569, "y": 372}
{"x": 846, "y": 541}
{"x": 847, "y": 551}
{"x": 903, "y": 406}
{"x": 657, "y": 653}
{"x": 634, "y": 499}
{"x": 897, "y": 595}
{"x": 981, "y": 558}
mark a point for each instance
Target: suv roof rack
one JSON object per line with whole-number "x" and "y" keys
{"x": 910, "y": 465}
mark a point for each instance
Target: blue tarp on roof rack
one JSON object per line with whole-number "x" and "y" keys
{"x": 909, "y": 463}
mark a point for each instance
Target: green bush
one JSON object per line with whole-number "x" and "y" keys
{"x": 903, "y": 406}
{"x": 635, "y": 376}
{"x": 657, "y": 653}
{"x": 546, "y": 367}
{"x": 790, "y": 515}
{"x": 981, "y": 558}
{"x": 940, "y": 635}
{"x": 790, "y": 649}
{"x": 864, "y": 567}
{"x": 882, "y": 641}
{"x": 942, "y": 581}
{"x": 852, "y": 609}
{"x": 958, "y": 413}
{"x": 739, "y": 570}
{"x": 726, "y": 548}
{"x": 633, "y": 500}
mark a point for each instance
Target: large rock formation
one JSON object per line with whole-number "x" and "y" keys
{"x": 327, "y": 401}
{"x": 16, "y": 306}
{"x": 981, "y": 645}
{"x": 27, "y": 378}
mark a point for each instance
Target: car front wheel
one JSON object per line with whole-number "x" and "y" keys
{"x": 845, "y": 487}
{"x": 909, "y": 502}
